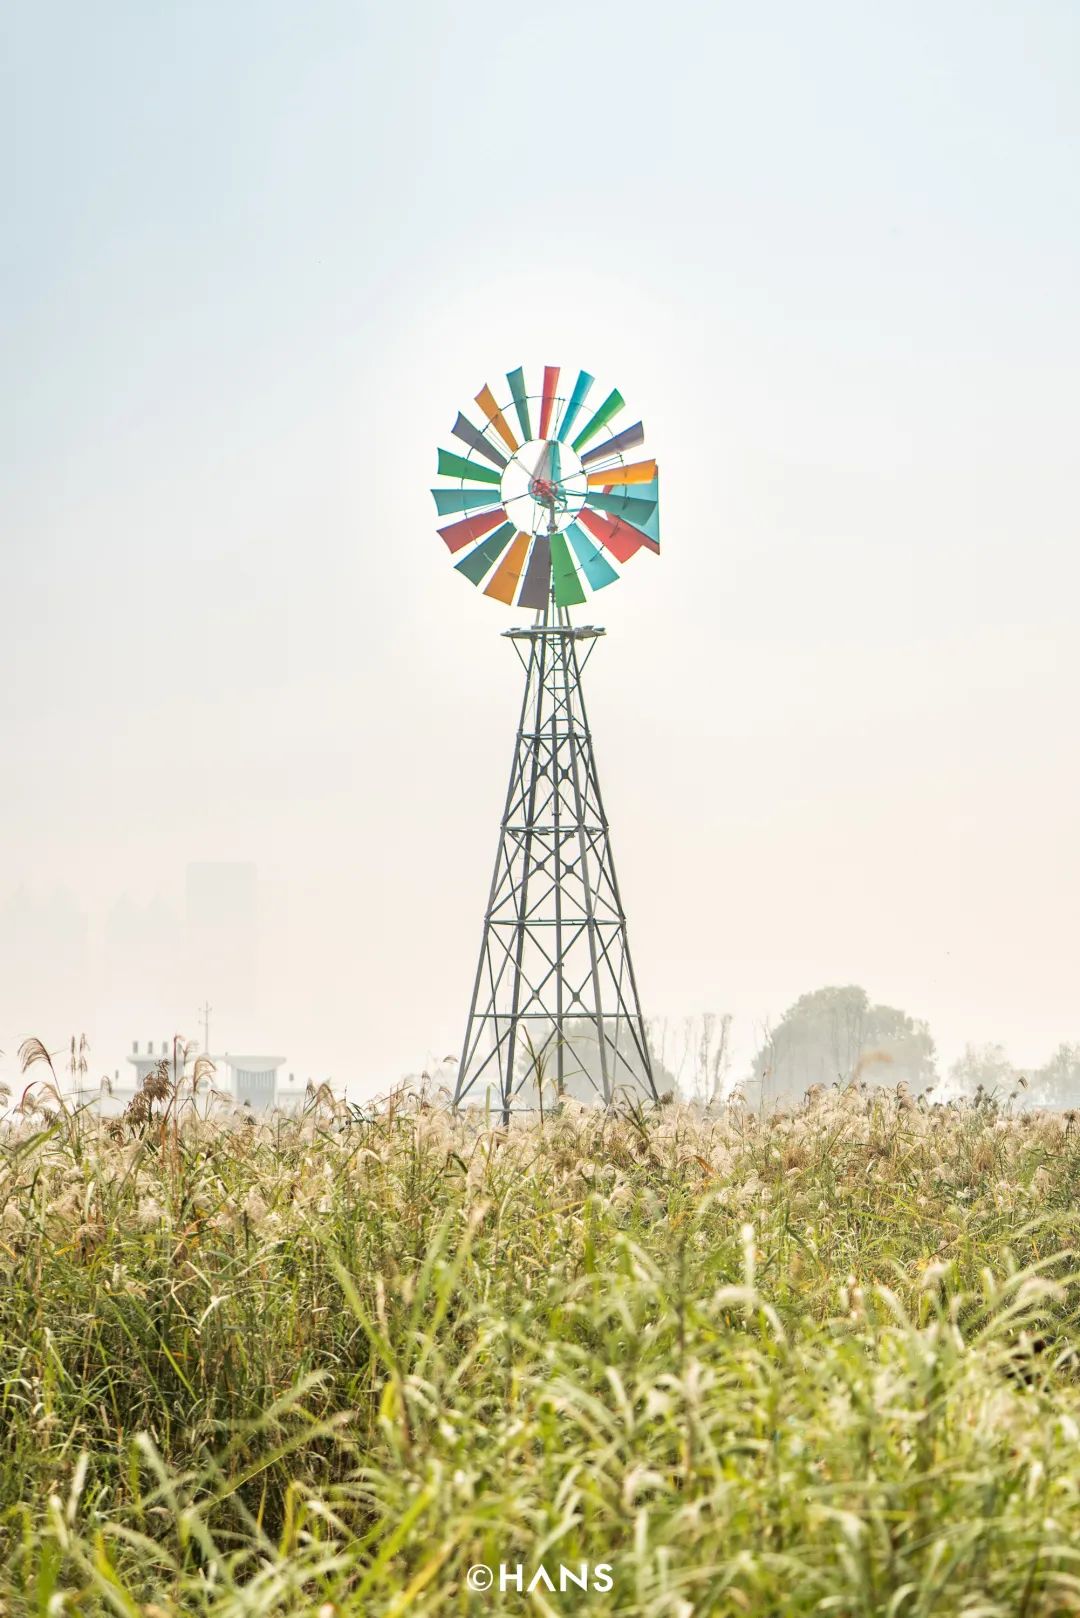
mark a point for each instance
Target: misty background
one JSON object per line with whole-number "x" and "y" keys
{"x": 254, "y": 730}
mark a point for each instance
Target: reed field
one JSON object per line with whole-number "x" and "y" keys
{"x": 816, "y": 1362}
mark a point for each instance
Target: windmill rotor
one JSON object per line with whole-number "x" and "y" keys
{"x": 551, "y": 511}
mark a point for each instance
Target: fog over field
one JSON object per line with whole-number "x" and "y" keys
{"x": 255, "y": 730}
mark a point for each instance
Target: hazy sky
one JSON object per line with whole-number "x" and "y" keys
{"x": 255, "y": 258}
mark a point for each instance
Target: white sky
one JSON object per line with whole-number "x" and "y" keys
{"x": 255, "y": 259}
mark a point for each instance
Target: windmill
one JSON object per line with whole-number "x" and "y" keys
{"x": 541, "y": 519}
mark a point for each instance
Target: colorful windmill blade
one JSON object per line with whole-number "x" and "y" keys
{"x": 546, "y": 521}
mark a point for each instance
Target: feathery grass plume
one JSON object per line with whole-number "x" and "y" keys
{"x": 764, "y": 1364}
{"x": 31, "y": 1051}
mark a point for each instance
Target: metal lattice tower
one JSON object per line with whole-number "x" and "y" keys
{"x": 555, "y": 991}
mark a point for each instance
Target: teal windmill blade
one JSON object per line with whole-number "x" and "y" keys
{"x": 594, "y": 564}
{"x": 479, "y": 562}
{"x": 573, "y": 405}
{"x": 448, "y": 500}
{"x": 635, "y": 503}
{"x": 651, "y": 491}
{"x": 516, "y": 382}
{"x": 622, "y": 503}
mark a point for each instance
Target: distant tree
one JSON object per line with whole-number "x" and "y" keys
{"x": 582, "y": 1068}
{"x": 694, "y": 1054}
{"x": 835, "y": 1034}
{"x": 714, "y": 1056}
{"x": 983, "y": 1065}
{"x": 1057, "y": 1082}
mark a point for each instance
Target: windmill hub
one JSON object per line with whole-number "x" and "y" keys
{"x": 546, "y": 492}
{"x": 544, "y": 482}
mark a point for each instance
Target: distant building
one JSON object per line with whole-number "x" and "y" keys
{"x": 253, "y": 1081}
{"x": 144, "y": 1062}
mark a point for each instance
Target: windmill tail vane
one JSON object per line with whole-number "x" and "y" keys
{"x": 547, "y": 504}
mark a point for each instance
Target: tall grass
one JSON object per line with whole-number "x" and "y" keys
{"x": 816, "y": 1363}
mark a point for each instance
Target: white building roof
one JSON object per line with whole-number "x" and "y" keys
{"x": 250, "y": 1064}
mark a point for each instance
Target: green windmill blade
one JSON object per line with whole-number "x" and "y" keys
{"x": 610, "y": 407}
{"x": 456, "y": 466}
{"x": 565, "y": 579}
